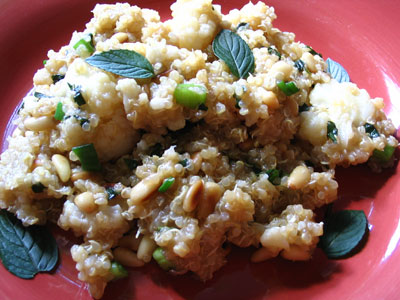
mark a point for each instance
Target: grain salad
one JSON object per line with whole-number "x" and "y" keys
{"x": 172, "y": 141}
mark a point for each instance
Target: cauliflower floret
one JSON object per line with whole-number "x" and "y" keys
{"x": 293, "y": 234}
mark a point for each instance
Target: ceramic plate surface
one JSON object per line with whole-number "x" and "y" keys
{"x": 360, "y": 34}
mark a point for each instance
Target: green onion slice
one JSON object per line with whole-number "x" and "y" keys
{"x": 332, "y": 131}
{"x": 384, "y": 155}
{"x": 88, "y": 157}
{"x": 159, "y": 257}
{"x": 118, "y": 270}
{"x": 166, "y": 184}
{"x": 59, "y": 114}
{"x": 86, "y": 42}
{"x": 190, "y": 95}
{"x": 371, "y": 130}
{"x": 274, "y": 176}
{"x": 288, "y": 88}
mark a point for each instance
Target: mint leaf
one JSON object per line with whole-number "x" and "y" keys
{"x": 337, "y": 71}
{"x": 25, "y": 251}
{"x": 343, "y": 231}
{"x": 125, "y": 63}
{"x": 234, "y": 51}
{"x": 332, "y": 131}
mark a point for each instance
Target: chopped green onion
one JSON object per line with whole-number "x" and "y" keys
{"x": 118, "y": 270}
{"x": 288, "y": 88}
{"x": 203, "y": 107}
{"x": 167, "y": 183}
{"x": 184, "y": 162}
{"x": 111, "y": 193}
{"x": 385, "y": 155}
{"x": 332, "y": 131}
{"x": 274, "y": 176}
{"x": 37, "y": 187}
{"x": 78, "y": 97}
{"x": 313, "y": 52}
{"x": 243, "y": 25}
{"x": 59, "y": 114}
{"x": 159, "y": 257}
{"x": 57, "y": 77}
{"x": 300, "y": 65}
{"x": 190, "y": 95}
{"x": 273, "y": 50}
{"x": 304, "y": 107}
{"x": 85, "y": 47}
{"x": 163, "y": 228}
{"x": 371, "y": 130}
{"x": 88, "y": 157}
{"x": 44, "y": 62}
{"x": 131, "y": 163}
{"x": 40, "y": 95}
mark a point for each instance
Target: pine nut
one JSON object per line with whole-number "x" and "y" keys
{"x": 309, "y": 60}
{"x": 61, "y": 163}
{"x": 296, "y": 253}
{"x": 263, "y": 254}
{"x": 85, "y": 202}
{"x": 299, "y": 178}
{"x": 40, "y": 123}
{"x": 130, "y": 242}
{"x": 270, "y": 99}
{"x": 192, "y": 196}
{"x": 197, "y": 160}
{"x": 80, "y": 175}
{"x": 211, "y": 195}
{"x": 144, "y": 189}
{"x": 273, "y": 237}
{"x": 146, "y": 248}
{"x": 127, "y": 257}
{"x": 281, "y": 70}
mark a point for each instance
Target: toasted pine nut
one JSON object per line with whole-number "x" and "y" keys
{"x": 120, "y": 36}
{"x": 127, "y": 257}
{"x": 40, "y": 123}
{"x": 130, "y": 242}
{"x": 270, "y": 100}
{"x": 274, "y": 238}
{"x": 192, "y": 196}
{"x": 296, "y": 253}
{"x": 80, "y": 175}
{"x": 263, "y": 254}
{"x": 299, "y": 178}
{"x": 197, "y": 160}
{"x": 146, "y": 248}
{"x": 85, "y": 202}
{"x": 63, "y": 168}
{"x": 211, "y": 195}
{"x": 281, "y": 70}
{"x": 144, "y": 189}
{"x": 308, "y": 58}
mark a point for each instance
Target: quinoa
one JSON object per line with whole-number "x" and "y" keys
{"x": 221, "y": 158}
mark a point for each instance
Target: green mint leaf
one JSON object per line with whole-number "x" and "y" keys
{"x": 56, "y": 78}
{"x": 337, "y": 71}
{"x": 111, "y": 193}
{"x": 332, "y": 131}
{"x": 300, "y": 65}
{"x": 304, "y": 107}
{"x": 313, "y": 52}
{"x": 371, "y": 130}
{"x": 40, "y": 95}
{"x": 233, "y": 50}
{"x": 343, "y": 231}
{"x": 242, "y": 26}
{"x": 25, "y": 251}
{"x": 273, "y": 51}
{"x": 125, "y": 63}
{"x": 274, "y": 176}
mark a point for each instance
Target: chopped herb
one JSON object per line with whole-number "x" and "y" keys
{"x": 371, "y": 130}
{"x": 157, "y": 149}
{"x": 304, "y": 107}
{"x": 300, "y": 65}
{"x": 288, "y": 88}
{"x": 273, "y": 51}
{"x": 233, "y": 50}
{"x": 203, "y": 107}
{"x": 59, "y": 114}
{"x": 25, "y": 251}
{"x": 57, "y": 77}
{"x": 385, "y": 155}
{"x": 190, "y": 95}
{"x": 337, "y": 71}
{"x": 78, "y": 97}
{"x": 40, "y": 95}
{"x": 122, "y": 62}
{"x": 167, "y": 183}
{"x": 118, "y": 270}
{"x": 184, "y": 162}
{"x": 242, "y": 26}
{"x": 313, "y": 52}
{"x": 44, "y": 62}
{"x": 111, "y": 193}
{"x": 88, "y": 157}
{"x": 274, "y": 176}
{"x": 162, "y": 261}
{"x": 343, "y": 231}
{"x": 85, "y": 46}
{"x": 131, "y": 163}
{"x": 38, "y": 187}
{"x": 332, "y": 131}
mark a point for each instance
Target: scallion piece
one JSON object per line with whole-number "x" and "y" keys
{"x": 288, "y": 88}
{"x": 190, "y": 95}
{"x": 59, "y": 114}
{"x": 88, "y": 157}
{"x": 78, "y": 97}
{"x": 371, "y": 130}
{"x": 332, "y": 131}
{"x": 274, "y": 176}
{"x": 118, "y": 270}
{"x": 111, "y": 193}
{"x": 57, "y": 77}
{"x": 384, "y": 155}
{"x": 300, "y": 65}
{"x": 85, "y": 47}
{"x": 274, "y": 51}
{"x": 159, "y": 257}
{"x": 167, "y": 183}
{"x": 184, "y": 162}
{"x": 44, "y": 62}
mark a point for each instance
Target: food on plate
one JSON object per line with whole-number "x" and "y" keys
{"x": 170, "y": 141}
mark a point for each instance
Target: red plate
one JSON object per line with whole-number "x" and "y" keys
{"x": 361, "y": 35}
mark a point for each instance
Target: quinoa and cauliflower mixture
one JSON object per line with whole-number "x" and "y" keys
{"x": 181, "y": 164}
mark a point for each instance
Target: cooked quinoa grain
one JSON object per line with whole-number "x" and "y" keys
{"x": 180, "y": 180}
